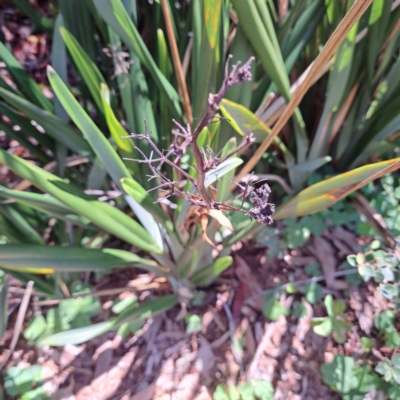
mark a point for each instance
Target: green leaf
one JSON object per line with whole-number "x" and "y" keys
{"x": 382, "y": 367}
{"x": 313, "y": 269}
{"x": 35, "y": 16}
{"x": 313, "y": 292}
{"x": 326, "y": 193}
{"x": 337, "y": 88}
{"x": 396, "y": 360}
{"x": 221, "y": 170}
{"x": 36, "y": 327}
{"x": 101, "y": 214}
{"x": 25, "y": 84}
{"x": 322, "y": 326}
{"x": 263, "y": 389}
{"x": 16, "y": 135}
{"x": 366, "y": 344}
{"x": 339, "y": 375}
{"x": 207, "y": 17}
{"x": 340, "y": 328}
{"x": 207, "y": 274}
{"x": 3, "y": 303}
{"x": 118, "y": 19}
{"x": 54, "y": 127}
{"x": 299, "y": 310}
{"x": 396, "y": 375}
{"x": 133, "y": 313}
{"x": 328, "y": 301}
{"x": 103, "y": 149}
{"x": 125, "y": 145}
{"x": 141, "y": 196}
{"x": 193, "y": 323}
{"x": 263, "y": 44}
{"x": 310, "y": 166}
{"x": 47, "y": 259}
{"x": 273, "y": 309}
{"x": 220, "y": 393}
{"x": 338, "y": 308}
{"x": 223, "y": 186}
{"x": 46, "y": 204}
{"x": 19, "y": 222}
{"x": 122, "y": 305}
{"x": 87, "y": 68}
{"x": 243, "y": 120}
{"x": 18, "y": 381}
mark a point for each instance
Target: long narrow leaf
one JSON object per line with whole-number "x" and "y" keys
{"x": 53, "y": 126}
{"x": 116, "y": 16}
{"x": 326, "y": 193}
{"x": 25, "y": 84}
{"x": 103, "y": 215}
{"x": 87, "y": 68}
{"x": 133, "y": 313}
{"x": 103, "y": 149}
{"x": 49, "y": 259}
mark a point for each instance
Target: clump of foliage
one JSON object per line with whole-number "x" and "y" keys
{"x": 115, "y": 65}
{"x": 383, "y": 267}
{"x": 351, "y": 381}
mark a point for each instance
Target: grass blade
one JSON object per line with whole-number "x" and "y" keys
{"x": 87, "y": 68}
{"x": 101, "y": 214}
{"x": 103, "y": 149}
{"x": 114, "y": 13}
{"x": 25, "y": 84}
{"x": 20, "y": 223}
{"x": 207, "y": 274}
{"x": 53, "y": 126}
{"x": 351, "y": 18}
{"x": 35, "y": 16}
{"x": 3, "y": 305}
{"x": 45, "y": 204}
{"x": 59, "y": 63}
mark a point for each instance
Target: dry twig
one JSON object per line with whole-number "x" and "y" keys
{"x": 205, "y": 160}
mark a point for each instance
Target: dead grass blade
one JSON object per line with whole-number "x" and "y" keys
{"x": 19, "y": 323}
{"x": 340, "y": 33}
{"x": 180, "y": 75}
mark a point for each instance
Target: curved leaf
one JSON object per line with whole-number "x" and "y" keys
{"x": 114, "y": 13}
{"x": 139, "y": 194}
{"x": 326, "y": 193}
{"x": 103, "y": 149}
{"x": 3, "y": 304}
{"x": 208, "y": 273}
{"x": 49, "y": 259}
{"x": 24, "y": 82}
{"x": 243, "y": 120}
{"x": 88, "y": 69}
{"x": 221, "y": 170}
{"x": 54, "y": 126}
{"x": 46, "y": 204}
{"x": 101, "y": 214}
{"x": 132, "y": 313}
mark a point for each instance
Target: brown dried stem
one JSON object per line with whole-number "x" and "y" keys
{"x": 204, "y": 162}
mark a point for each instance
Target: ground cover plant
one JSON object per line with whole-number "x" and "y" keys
{"x": 181, "y": 139}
